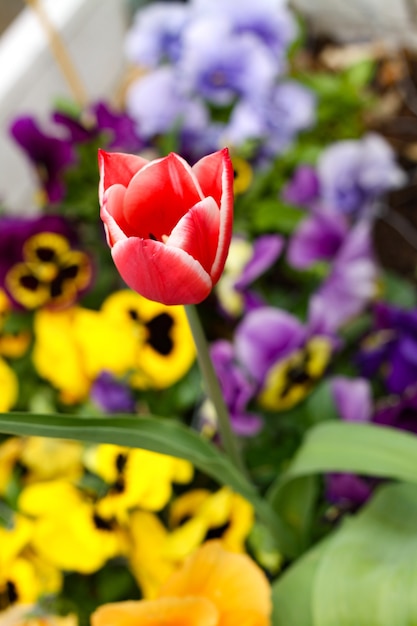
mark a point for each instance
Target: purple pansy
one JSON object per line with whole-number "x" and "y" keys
{"x": 111, "y": 395}
{"x": 271, "y": 22}
{"x": 156, "y": 34}
{"x": 146, "y": 102}
{"x": 391, "y": 350}
{"x": 238, "y": 390}
{"x": 221, "y": 66}
{"x": 303, "y": 188}
{"x": 264, "y": 336}
{"x": 399, "y": 411}
{"x": 354, "y": 173}
{"x": 350, "y": 286}
{"x": 275, "y": 119}
{"x": 318, "y": 237}
{"x": 50, "y": 155}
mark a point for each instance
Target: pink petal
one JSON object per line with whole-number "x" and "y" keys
{"x": 198, "y": 232}
{"x": 117, "y": 168}
{"x": 159, "y": 195}
{"x": 161, "y": 273}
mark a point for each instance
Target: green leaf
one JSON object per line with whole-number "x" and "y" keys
{"x": 364, "y": 449}
{"x": 273, "y": 215}
{"x": 166, "y": 436}
{"x": 365, "y": 574}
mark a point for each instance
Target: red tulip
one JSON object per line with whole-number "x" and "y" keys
{"x": 168, "y": 224}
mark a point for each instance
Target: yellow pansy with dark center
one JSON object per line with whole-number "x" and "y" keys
{"x": 51, "y": 273}
{"x": 165, "y": 348}
{"x": 289, "y": 381}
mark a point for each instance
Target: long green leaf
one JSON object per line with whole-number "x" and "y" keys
{"x": 157, "y": 434}
{"x": 347, "y": 447}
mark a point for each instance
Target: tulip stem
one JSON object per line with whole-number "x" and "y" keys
{"x": 213, "y": 389}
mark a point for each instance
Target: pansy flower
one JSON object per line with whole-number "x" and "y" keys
{"x": 50, "y": 155}
{"x": 199, "y": 515}
{"x": 283, "y": 357}
{"x": 68, "y": 531}
{"x": 40, "y": 264}
{"x": 212, "y": 588}
{"x": 164, "y": 347}
{"x": 390, "y": 349}
{"x": 135, "y": 478}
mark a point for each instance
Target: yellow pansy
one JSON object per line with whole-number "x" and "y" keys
{"x": 136, "y": 478}
{"x": 73, "y": 346}
{"x": 64, "y": 458}
{"x": 223, "y": 514}
{"x": 291, "y": 380}
{"x": 164, "y": 345}
{"x": 148, "y": 560}
{"x": 68, "y": 532}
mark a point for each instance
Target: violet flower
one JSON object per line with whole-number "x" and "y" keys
{"x": 391, "y": 349}
{"x": 350, "y": 286}
{"x": 271, "y": 22}
{"x": 156, "y": 34}
{"x": 303, "y": 188}
{"x": 273, "y": 119}
{"x": 111, "y": 395}
{"x": 318, "y": 237}
{"x": 266, "y": 336}
{"x": 220, "y": 66}
{"x": 354, "y": 173}
{"x": 238, "y": 389}
{"x": 51, "y": 156}
{"x": 146, "y": 102}
{"x": 399, "y": 411}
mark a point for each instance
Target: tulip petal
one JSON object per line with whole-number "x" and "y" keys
{"x": 112, "y": 215}
{"x": 198, "y": 232}
{"x": 161, "y": 273}
{"x": 159, "y": 195}
{"x": 215, "y": 175}
{"x": 117, "y": 167}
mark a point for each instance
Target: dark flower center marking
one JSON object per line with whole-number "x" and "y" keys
{"x": 120, "y": 462}
{"x": 159, "y": 333}
{"x": 45, "y": 255}
{"x": 29, "y": 282}
{"x": 8, "y": 595}
{"x": 102, "y": 524}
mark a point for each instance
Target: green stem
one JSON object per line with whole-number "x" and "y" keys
{"x": 228, "y": 439}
